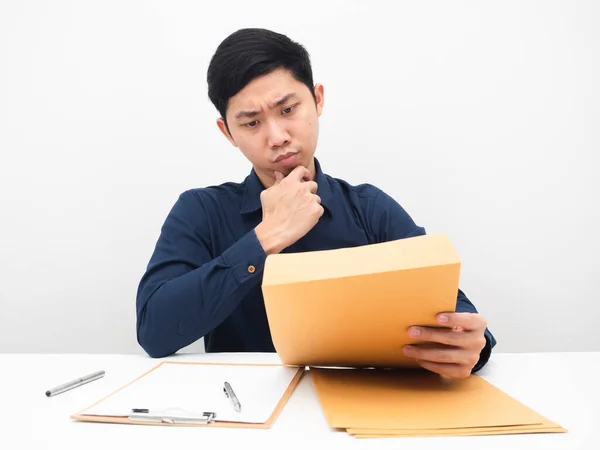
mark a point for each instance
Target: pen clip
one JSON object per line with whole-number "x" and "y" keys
{"x": 171, "y": 416}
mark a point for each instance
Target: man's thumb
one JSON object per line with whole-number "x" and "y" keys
{"x": 278, "y": 177}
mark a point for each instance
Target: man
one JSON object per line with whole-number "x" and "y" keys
{"x": 204, "y": 278}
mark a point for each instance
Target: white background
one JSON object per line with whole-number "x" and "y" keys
{"x": 481, "y": 118}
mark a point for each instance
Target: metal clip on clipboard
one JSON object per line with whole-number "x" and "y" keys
{"x": 172, "y": 416}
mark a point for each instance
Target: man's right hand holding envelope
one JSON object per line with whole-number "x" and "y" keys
{"x": 452, "y": 350}
{"x": 291, "y": 208}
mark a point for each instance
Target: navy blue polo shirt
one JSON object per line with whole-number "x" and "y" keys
{"x": 204, "y": 277}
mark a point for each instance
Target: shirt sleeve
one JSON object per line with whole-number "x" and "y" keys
{"x": 389, "y": 221}
{"x": 186, "y": 292}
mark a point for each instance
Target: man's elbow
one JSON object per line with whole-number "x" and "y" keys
{"x": 151, "y": 333}
{"x": 155, "y": 349}
{"x": 153, "y": 343}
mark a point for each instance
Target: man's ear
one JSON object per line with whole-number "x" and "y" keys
{"x": 225, "y": 131}
{"x": 319, "y": 98}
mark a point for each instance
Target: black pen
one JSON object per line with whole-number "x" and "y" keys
{"x": 229, "y": 393}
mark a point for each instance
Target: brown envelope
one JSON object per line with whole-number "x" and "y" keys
{"x": 353, "y": 306}
{"x": 371, "y": 402}
{"x": 467, "y": 431}
{"x": 458, "y": 433}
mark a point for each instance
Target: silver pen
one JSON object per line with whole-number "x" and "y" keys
{"x": 229, "y": 393}
{"x": 75, "y": 383}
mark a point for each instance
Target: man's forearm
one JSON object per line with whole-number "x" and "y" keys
{"x": 175, "y": 310}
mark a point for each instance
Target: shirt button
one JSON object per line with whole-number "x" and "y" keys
{"x": 251, "y": 269}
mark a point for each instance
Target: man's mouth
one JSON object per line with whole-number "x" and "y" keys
{"x": 284, "y": 156}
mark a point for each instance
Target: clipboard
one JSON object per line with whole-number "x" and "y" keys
{"x": 287, "y": 378}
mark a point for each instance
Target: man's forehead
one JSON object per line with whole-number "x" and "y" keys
{"x": 265, "y": 90}
{"x": 251, "y": 105}
{"x": 266, "y": 99}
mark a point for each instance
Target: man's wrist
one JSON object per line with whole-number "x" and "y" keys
{"x": 270, "y": 238}
{"x": 484, "y": 355}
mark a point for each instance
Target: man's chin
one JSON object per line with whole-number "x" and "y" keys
{"x": 290, "y": 169}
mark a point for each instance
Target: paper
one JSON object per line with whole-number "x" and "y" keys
{"x": 532, "y": 429}
{"x": 196, "y": 388}
{"x": 544, "y": 425}
{"x": 353, "y": 306}
{"x": 458, "y": 433}
{"x": 475, "y": 431}
{"x": 420, "y": 403}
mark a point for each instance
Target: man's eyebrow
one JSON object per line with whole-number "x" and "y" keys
{"x": 286, "y": 98}
{"x": 244, "y": 114}
{"x": 248, "y": 114}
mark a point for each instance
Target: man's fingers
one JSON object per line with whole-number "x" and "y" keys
{"x": 449, "y": 370}
{"x": 312, "y": 187}
{"x": 278, "y": 177}
{"x": 440, "y": 335}
{"x": 300, "y": 173}
{"x": 441, "y": 354}
{"x": 462, "y": 321}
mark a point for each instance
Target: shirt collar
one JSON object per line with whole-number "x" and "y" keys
{"x": 253, "y": 187}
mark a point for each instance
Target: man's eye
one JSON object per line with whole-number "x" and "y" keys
{"x": 252, "y": 124}
{"x": 287, "y": 110}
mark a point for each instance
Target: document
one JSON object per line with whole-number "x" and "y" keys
{"x": 352, "y": 307}
{"x": 420, "y": 403}
{"x": 346, "y": 313}
{"x": 191, "y": 389}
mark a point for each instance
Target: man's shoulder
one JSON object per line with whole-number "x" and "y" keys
{"x": 212, "y": 192}
{"x": 388, "y": 219}
{"x": 365, "y": 196}
{"x": 359, "y": 192}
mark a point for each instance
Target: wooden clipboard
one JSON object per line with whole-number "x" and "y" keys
{"x": 80, "y": 416}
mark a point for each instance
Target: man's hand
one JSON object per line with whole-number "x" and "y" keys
{"x": 453, "y": 350}
{"x": 291, "y": 208}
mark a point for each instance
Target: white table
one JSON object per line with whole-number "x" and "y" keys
{"x": 565, "y": 387}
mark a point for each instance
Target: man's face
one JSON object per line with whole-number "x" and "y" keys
{"x": 274, "y": 122}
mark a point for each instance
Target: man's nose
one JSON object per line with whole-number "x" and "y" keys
{"x": 278, "y": 135}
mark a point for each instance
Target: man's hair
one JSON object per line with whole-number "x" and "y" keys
{"x": 250, "y": 53}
